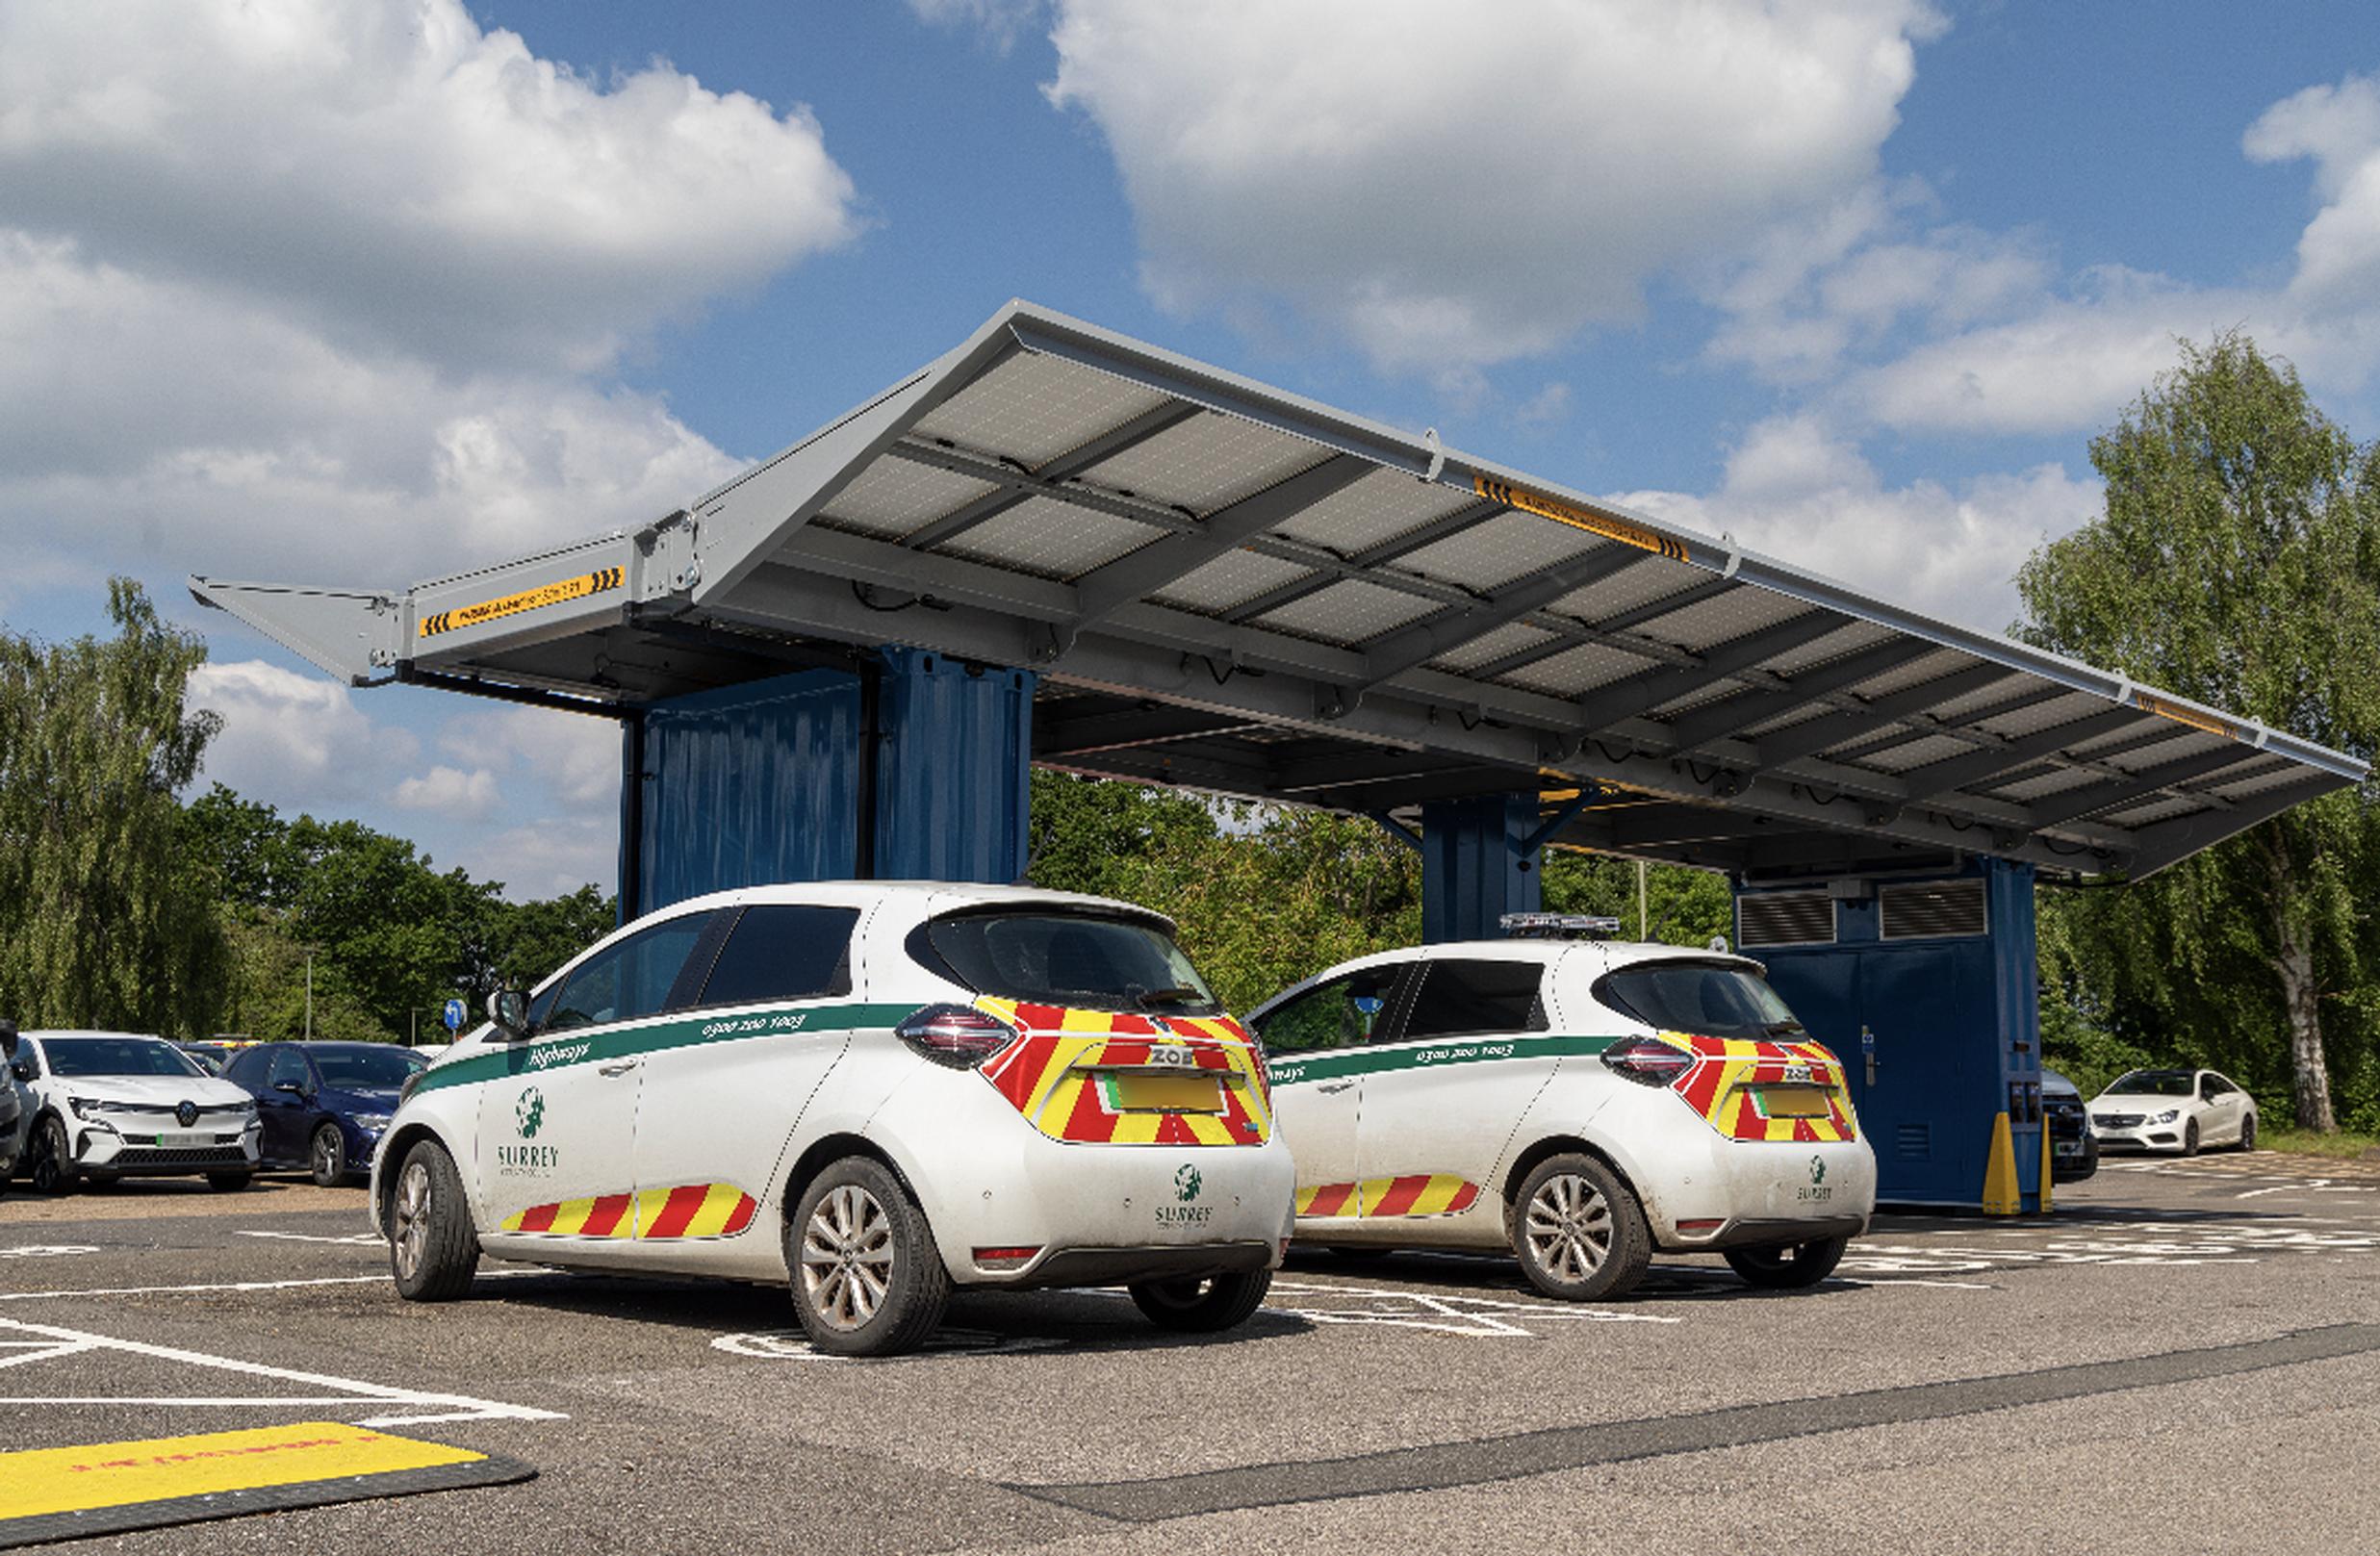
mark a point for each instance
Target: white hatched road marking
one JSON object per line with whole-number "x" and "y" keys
{"x": 406, "y": 1407}
{"x": 38, "y": 1250}
{"x": 1484, "y": 1317}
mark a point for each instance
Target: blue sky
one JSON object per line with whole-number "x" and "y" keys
{"x": 365, "y": 291}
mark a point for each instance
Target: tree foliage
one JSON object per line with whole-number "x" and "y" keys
{"x": 2236, "y": 562}
{"x": 105, "y": 918}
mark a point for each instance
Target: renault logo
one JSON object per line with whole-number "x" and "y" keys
{"x": 186, "y": 1113}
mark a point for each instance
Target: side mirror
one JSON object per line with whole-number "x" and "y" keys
{"x": 509, "y": 1009}
{"x": 22, "y": 1070}
{"x": 8, "y": 1039}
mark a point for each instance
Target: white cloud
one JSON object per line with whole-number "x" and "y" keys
{"x": 394, "y": 176}
{"x": 1455, "y": 185}
{"x": 574, "y": 757}
{"x": 326, "y": 292}
{"x": 1794, "y": 489}
{"x": 450, "y": 792}
{"x": 2005, "y": 351}
{"x": 293, "y": 740}
{"x": 999, "y": 20}
{"x": 551, "y": 857}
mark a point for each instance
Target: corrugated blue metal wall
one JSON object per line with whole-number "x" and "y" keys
{"x": 761, "y": 782}
{"x": 750, "y": 784}
{"x": 952, "y": 774}
{"x": 1473, "y": 870}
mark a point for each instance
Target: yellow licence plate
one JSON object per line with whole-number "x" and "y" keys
{"x": 1793, "y": 1102}
{"x": 1168, "y": 1094}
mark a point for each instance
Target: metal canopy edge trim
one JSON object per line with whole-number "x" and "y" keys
{"x": 354, "y": 634}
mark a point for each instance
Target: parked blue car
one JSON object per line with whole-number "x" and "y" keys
{"x": 324, "y": 1105}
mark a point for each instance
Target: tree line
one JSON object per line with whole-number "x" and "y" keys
{"x": 2237, "y": 562}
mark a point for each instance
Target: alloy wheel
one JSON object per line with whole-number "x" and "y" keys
{"x": 1569, "y": 1228}
{"x": 847, "y": 1257}
{"x": 410, "y": 1233}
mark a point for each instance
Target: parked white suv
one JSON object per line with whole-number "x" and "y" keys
{"x": 1580, "y": 1103}
{"x": 108, "y": 1105}
{"x": 875, "y": 1091}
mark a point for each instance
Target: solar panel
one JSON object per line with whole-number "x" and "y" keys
{"x": 1351, "y": 614}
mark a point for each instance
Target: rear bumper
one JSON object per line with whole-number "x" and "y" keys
{"x": 1776, "y": 1231}
{"x": 1122, "y": 1267}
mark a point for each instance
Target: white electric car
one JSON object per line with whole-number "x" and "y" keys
{"x": 875, "y": 1091}
{"x": 108, "y": 1104}
{"x": 2173, "y": 1111}
{"x": 1580, "y": 1103}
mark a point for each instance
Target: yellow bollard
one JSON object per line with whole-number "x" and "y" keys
{"x": 2045, "y": 1167}
{"x": 2000, "y": 1195}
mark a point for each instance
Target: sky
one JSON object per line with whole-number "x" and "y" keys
{"x": 365, "y": 291}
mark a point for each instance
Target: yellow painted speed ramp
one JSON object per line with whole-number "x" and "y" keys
{"x": 105, "y": 1488}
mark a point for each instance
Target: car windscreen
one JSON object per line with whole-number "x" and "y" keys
{"x": 2153, "y": 1084}
{"x": 367, "y": 1069}
{"x": 117, "y": 1056}
{"x": 1045, "y": 957}
{"x": 1705, "y": 999}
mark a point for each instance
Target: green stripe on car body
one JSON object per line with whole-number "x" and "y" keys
{"x": 562, "y": 1049}
{"x": 1290, "y": 1070}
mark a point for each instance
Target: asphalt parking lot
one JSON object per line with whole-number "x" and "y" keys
{"x": 2186, "y": 1353}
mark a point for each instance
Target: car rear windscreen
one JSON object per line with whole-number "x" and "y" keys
{"x": 117, "y": 1056}
{"x": 367, "y": 1069}
{"x": 1705, "y": 999}
{"x": 1055, "y": 957}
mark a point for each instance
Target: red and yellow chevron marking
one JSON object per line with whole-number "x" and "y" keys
{"x": 605, "y": 1215}
{"x": 691, "y": 1210}
{"x": 1426, "y": 1193}
{"x": 1720, "y": 1088}
{"x": 1050, "y": 1074}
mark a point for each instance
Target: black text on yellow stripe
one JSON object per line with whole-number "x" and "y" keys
{"x": 551, "y": 593}
{"x": 2183, "y": 715}
{"x": 1594, "y": 523}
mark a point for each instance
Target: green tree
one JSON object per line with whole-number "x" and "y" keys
{"x": 104, "y": 919}
{"x": 1683, "y": 906}
{"x": 2234, "y": 563}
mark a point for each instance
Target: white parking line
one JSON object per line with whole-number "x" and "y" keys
{"x": 410, "y": 1406}
{"x": 242, "y": 1286}
{"x": 366, "y": 1239}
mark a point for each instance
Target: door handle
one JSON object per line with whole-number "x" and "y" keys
{"x": 621, "y": 1068}
{"x": 1340, "y": 1085}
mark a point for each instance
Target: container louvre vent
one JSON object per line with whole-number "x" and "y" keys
{"x": 1931, "y": 910}
{"x": 1915, "y": 1140}
{"x": 1784, "y": 918}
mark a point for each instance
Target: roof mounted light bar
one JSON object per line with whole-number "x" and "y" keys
{"x": 1559, "y": 925}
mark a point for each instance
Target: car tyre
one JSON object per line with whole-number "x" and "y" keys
{"x": 326, "y": 1154}
{"x": 1787, "y": 1266}
{"x": 433, "y": 1249}
{"x": 867, "y": 1279}
{"x": 1579, "y": 1233}
{"x": 50, "y": 1162}
{"x": 2247, "y": 1135}
{"x": 229, "y": 1182}
{"x": 2189, "y": 1137}
{"x": 1204, "y": 1304}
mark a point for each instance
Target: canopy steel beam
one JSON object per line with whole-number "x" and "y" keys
{"x": 1900, "y": 711}
{"x": 1427, "y": 640}
{"x": 1081, "y": 734}
{"x": 2067, "y": 805}
{"x": 1648, "y": 689}
{"x": 1952, "y": 774}
{"x": 1728, "y": 717}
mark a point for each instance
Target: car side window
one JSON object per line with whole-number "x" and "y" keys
{"x": 2214, "y": 1086}
{"x": 783, "y": 951}
{"x": 246, "y": 1068}
{"x": 1460, "y": 997}
{"x": 1343, "y": 1011}
{"x": 287, "y": 1064}
{"x": 629, "y": 980}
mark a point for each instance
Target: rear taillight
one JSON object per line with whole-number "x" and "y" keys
{"x": 1647, "y": 1061}
{"x": 1005, "y": 1258}
{"x": 959, "y": 1035}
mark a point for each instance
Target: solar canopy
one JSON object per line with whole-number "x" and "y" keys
{"x": 1227, "y": 587}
